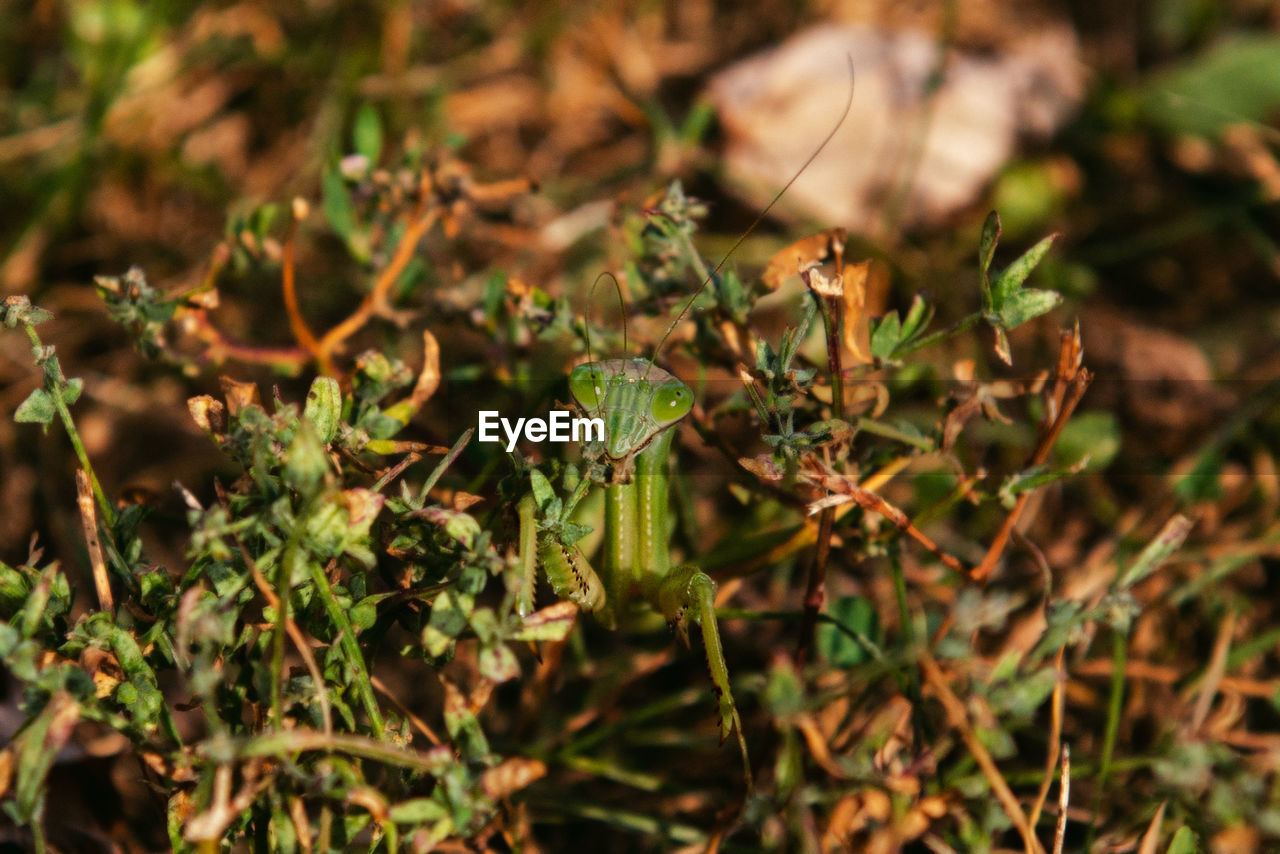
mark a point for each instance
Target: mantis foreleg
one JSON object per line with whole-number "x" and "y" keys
{"x": 682, "y": 594}
{"x": 570, "y": 574}
{"x": 689, "y": 594}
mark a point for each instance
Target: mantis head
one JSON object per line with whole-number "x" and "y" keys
{"x": 636, "y": 400}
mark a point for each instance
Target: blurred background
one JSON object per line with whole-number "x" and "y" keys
{"x": 1145, "y": 134}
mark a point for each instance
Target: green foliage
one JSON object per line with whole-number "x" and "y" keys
{"x": 889, "y": 335}
{"x": 311, "y": 571}
{"x": 141, "y": 309}
{"x": 849, "y": 638}
{"x": 294, "y": 541}
{"x": 1006, "y": 304}
{"x": 1235, "y": 80}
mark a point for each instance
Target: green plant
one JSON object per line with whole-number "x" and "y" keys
{"x": 332, "y": 545}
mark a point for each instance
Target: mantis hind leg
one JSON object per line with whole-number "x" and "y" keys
{"x": 687, "y": 594}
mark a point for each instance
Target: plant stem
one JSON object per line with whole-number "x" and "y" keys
{"x": 815, "y": 593}
{"x": 54, "y": 390}
{"x": 284, "y": 575}
{"x": 962, "y": 325}
{"x": 831, "y": 316}
{"x": 277, "y": 744}
{"x": 350, "y": 646}
{"x": 1119, "y": 658}
{"x": 907, "y": 627}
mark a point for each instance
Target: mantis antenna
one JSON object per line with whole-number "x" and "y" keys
{"x": 759, "y": 218}
{"x": 586, "y": 315}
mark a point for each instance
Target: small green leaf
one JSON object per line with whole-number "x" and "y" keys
{"x": 1006, "y": 668}
{"x": 917, "y": 319}
{"x": 35, "y": 751}
{"x": 1184, "y": 841}
{"x": 14, "y": 588}
{"x": 1160, "y": 549}
{"x": 1235, "y": 81}
{"x": 1095, "y": 435}
{"x": 1011, "y": 278}
{"x": 261, "y": 218}
{"x": 71, "y": 391}
{"x": 997, "y": 740}
{"x": 885, "y": 335}
{"x": 365, "y": 613}
{"x": 307, "y": 461}
{"x": 784, "y": 690}
{"x": 38, "y": 408}
{"x": 366, "y": 133}
{"x": 416, "y": 811}
{"x": 986, "y": 251}
{"x": 847, "y": 642}
{"x": 1031, "y": 479}
{"x": 35, "y": 610}
{"x": 1021, "y": 697}
{"x": 337, "y": 204}
{"x": 542, "y": 490}
{"x": 552, "y": 623}
{"x": 498, "y": 664}
{"x": 1025, "y": 305}
{"x": 448, "y": 620}
{"x": 435, "y": 642}
{"x": 126, "y": 694}
{"x": 1203, "y": 482}
{"x": 462, "y": 527}
{"x": 987, "y": 243}
{"x": 324, "y": 407}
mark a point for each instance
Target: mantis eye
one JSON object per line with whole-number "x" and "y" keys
{"x": 671, "y": 402}
{"x": 586, "y": 384}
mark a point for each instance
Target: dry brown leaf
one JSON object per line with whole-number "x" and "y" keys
{"x": 429, "y": 377}
{"x": 239, "y": 395}
{"x": 801, "y": 255}
{"x": 511, "y": 776}
{"x": 857, "y": 330}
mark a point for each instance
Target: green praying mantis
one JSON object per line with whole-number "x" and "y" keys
{"x": 640, "y": 405}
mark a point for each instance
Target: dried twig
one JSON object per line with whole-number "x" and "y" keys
{"x": 376, "y": 299}
{"x": 958, "y": 717}
{"x": 846, "y": 490}
{"x": 295, "y": 635}
{"x": 418, "y": 723}
{"x": 1069, "y": 387}
{"x": 89, "y": 519}
{"x": 1213, "y": 674}
{"x": 1151, "y": 839}
{"x": 1064, "y": 798}
{"x": 301, "y": 332}
{"x": 1055, "y": 739}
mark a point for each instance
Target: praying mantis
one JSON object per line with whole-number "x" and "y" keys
{"x": 640, "y": 405}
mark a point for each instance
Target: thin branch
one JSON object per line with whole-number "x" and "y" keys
{"x": 958, "y": 717}
{"x": 89, "y": 519}
{"x": 1069, "y": 387}
{"x": 376, "y": 299}
{"x": 298, "y": 325}
{"x": 1055, "y": 739}
{"x": 1064, "y": 797}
